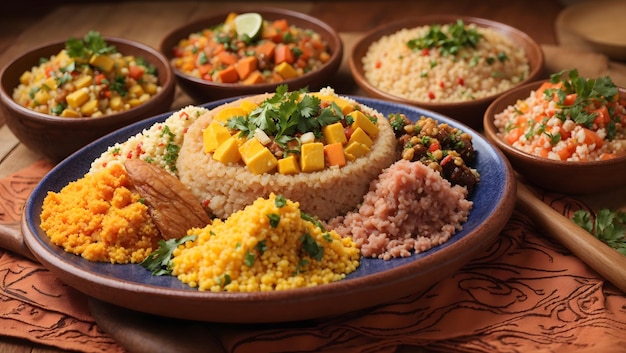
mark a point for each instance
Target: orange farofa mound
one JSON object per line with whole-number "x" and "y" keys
{"x": 100, "y": 218}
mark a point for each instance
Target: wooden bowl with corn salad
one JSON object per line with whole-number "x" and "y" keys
{"x": 60, "y": 96}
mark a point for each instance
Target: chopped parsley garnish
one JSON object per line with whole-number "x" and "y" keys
{"x": 397, "y": 122}
{"x": 159, "y": 261}
{"x": 280, "y": 201}
{"x": 274, "y": 219}
{"x": 451, "y": 42}
{"x": 608, "y": 226}
{"x": 308, "y": 217}
{"x": 249, "y": 259}
{"x": 119, "y": 85}
{"x": 311, "y": 247}
{"x": 261, "y": 247}
{"x": 171, "y": 150}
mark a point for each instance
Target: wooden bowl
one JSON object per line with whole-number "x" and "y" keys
{"x": 557, "y": 176}
{"x": 203, "y": 91}
{"x": 56, "y": 137}
{"x": 468, "y": 112}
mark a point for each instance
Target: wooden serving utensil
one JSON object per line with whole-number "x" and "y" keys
{"x": 609, "y": 263}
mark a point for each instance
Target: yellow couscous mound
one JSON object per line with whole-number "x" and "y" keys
{"x": 269, "y": 245}
{"x": 100, "y": 218}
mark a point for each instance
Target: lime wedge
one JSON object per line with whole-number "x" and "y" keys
{"x": 249, "y": 23}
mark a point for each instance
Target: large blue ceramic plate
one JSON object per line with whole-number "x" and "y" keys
{"x": 375, "y": 282}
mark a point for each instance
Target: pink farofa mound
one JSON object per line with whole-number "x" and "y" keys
{"x": 410, "y": 207}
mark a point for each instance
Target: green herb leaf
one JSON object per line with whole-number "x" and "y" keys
{"x": 274, "y": 219}
{"x": 311, "y": 247}
{"x": 608, "y": 226}
{"x": 159, "y": 261}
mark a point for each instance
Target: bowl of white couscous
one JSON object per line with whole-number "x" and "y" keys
{"x": 454, "y": 65}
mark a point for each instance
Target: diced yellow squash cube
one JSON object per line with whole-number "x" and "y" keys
{"x": 102, "y": 61}
{"x": 248, "y": 106}
{"x": 362, "y": 121}
{"x": 51, "y": 83}
{"x": 263, "y": 161}
{"x": 116, "y": 103}
{"x": 136, "y": 91}
{"x": 133, "y": 102}
{"x": 69, "y": 113}
{"x": 77, "y": 98}
{"x": 230, "y": 19}
{"x": 228, "y": 151}
{"x": 150, "y": 88}
{"x": 362, "y": 137}
{"x": 312, "y": 157}
{"x": 214, "y": 135}
{"x": 249, "y": 149}
{"x": 83, "y": 81}
{"x": 42, "y": 96}
{"x": 285, "y": 70}
{"x": 356, "y": 149}
{"x": 334, "y": 133}
{"x": 346, "y": 107}
{"x": 288, "y": 165}
{"x": 229, "y": 112}
{"x": 90, "y": 107}
{"x": 25, "y": 78}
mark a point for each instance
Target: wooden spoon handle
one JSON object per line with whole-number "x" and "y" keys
{"x": 605, "y": 260}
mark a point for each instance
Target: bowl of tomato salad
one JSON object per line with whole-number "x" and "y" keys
{"x": 252, "y": 51}
{"x": 566, "y": 134}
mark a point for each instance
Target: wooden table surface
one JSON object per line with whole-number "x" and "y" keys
{"x": 28, "y": 23}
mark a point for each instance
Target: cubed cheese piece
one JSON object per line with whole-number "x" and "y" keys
{"x": 285, "y": 70}
{"x": 356, "y": 149}
{"x": 230, "y": 112}
{"x": 334, "y": 133}
{"x": 362, "y": 121}
{"x": 263, "y": 161}
{"x": 312, "y": 157}
{"x": 345, "y": 106}
{"x": 360, "y": 136}
{"x": 77, "y": 98}
{"x": 288, "y": 165}
{"x": 214, "y": 135}
{"x": 25, "y": 78}
{"x": 51, "y": 83}
{"x": 102, "y": 61}
{"x": 228, "y": 151}
{"x": 249, "y": 149}
{"x": 334, "y": 154}
{"x": 83, "y": 81}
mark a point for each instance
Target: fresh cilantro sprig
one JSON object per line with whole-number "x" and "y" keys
{"x": 285, "y": 114}
{"x": 451, "y": 42}
{"x": 589, "y": 91}
{"x": 91, "y": 44}
{"x": 608, "y": 226}
{"x": 159, "y": 261}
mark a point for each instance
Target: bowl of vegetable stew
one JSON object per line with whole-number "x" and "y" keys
{"x": 60, "y": 96}
{"x": 252, "y": 51}
{"x": 454, "y": 65}
{"x": 577, "y": 145}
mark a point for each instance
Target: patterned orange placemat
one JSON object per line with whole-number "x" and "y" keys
{"x": 523, "y": 293}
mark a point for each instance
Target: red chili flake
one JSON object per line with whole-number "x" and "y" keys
{"x": 205, "y": 203}
{"x": 434, "y": 146}
{"x": 442, "y": 84}
{"x": 129, "y": 155}
{"x": 425, "y": 51}
{"x": 185, "y": 130}
{"x": 139, "y": 149}
{"x": 378, "y": 64}
{"x": 461, "y": 81}
{"x": 431, "y": 95}
{"x": 184, "y": 115}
